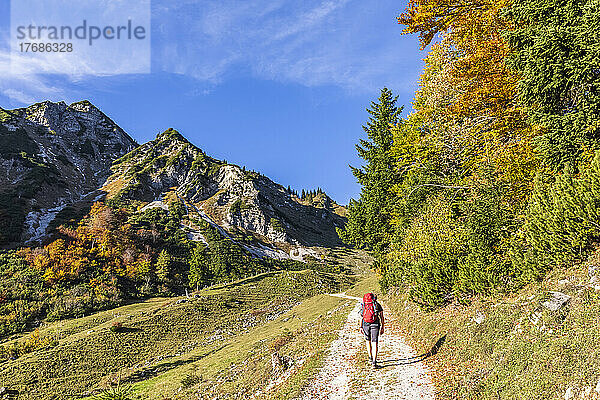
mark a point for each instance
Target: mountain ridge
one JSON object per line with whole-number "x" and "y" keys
{"x": 52, "y": 155}
{"x": 229, "y": 194}
{"x": 77, "y": 154}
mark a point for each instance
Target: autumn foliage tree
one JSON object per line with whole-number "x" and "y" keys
{"x": 103, "y": 243}
{"x": 468, "y": 90}
{"x": 507, "y": 106}
{"x": 464, "y": 158}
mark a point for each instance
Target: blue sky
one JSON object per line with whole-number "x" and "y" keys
{"x": 279, "y": 86}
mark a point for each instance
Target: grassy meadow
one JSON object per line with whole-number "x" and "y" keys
{"x": 219, "y": 342}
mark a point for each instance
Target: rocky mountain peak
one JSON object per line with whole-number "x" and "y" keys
{"x": 85, "y": 106}
{"x": 228, "y": 195}
{"x": 52, "y": 155}
{"x": 172, "y": 134}
{"x": 80, "y": 118}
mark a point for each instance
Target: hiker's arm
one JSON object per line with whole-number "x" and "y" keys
{"x": 360, "y": 313}
{"x": 382, "y": 323}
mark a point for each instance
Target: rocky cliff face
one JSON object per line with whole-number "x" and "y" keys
{"x": 52, "y": 155}
{"x": 226, "y": 194}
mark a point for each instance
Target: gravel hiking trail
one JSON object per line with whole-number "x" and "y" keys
{"x": 346, "y": 375}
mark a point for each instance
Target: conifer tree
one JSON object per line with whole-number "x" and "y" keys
{"x": 563, "y": 221}
{"x": 556, "y": 51}
{"x": 198, "y": 266}
{"x": 163, "y": 266}
{"x": 368, "y": 217}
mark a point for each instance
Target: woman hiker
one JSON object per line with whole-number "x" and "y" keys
{"x": 371, "y": 324}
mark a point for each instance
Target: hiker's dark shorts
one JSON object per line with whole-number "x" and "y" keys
{"x": 371, "y": 331}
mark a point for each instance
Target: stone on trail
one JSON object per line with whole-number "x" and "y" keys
{"x": 535, "y": 316}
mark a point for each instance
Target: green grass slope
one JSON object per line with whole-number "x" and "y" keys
{"x": 219, "y": 344}
{"x": 511, "y": 346}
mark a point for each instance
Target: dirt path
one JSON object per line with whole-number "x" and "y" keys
{"x": 346, "y": 374}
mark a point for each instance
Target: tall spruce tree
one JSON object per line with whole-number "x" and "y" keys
{"x": 163, "y": 266}
{"x": 368, "y": 217}
{"x": 556, "y": 50}
{"x": 198, "y": 274}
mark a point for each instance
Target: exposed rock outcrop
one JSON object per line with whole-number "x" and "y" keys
{"x": 52, "y": 155}
{"x": 231, "y": 196}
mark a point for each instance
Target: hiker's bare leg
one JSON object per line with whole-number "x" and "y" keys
{"x": 375, "y": 350}
{"x": 369, "y": 349}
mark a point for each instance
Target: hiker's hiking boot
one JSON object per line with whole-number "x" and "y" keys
{"x": 374, "y": 364}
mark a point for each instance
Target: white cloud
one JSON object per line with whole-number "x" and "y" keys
{"x": 22, "y": 81}
{"x": 88, "y": 52}
{"x": 31, "y": 75}
{"x": 324, "y": 42}
{"x": 18, "y": 95}
{"x": 352, "y": 44}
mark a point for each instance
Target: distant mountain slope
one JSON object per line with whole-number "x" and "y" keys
{"x": 227, "y": 194}
{"x": 52, "y": 155}
{"x": 55, "y": 157}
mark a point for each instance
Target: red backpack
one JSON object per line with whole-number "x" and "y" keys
{"x": 369, "y": 308}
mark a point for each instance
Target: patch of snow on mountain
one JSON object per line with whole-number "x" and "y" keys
{"x": 155, "y": 204}
{"x": 37, "y": 222}
{"x": 100, "y": 196}
{"x": 194, "y": 235}
{"x": 263, "y": 251}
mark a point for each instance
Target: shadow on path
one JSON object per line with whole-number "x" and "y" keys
{"x": 415, "y": 359}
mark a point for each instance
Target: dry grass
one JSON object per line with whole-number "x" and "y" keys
{"x": 508, "y": 356}
{"x": 113, "y": 187}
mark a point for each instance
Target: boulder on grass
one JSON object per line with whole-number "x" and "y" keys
{"x": 556, "y": 301}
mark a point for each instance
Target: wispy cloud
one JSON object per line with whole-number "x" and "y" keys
{"x": 350, "y": 44}
{"x": 23, "y": 80}
{"x": 323, "y": 42}
{"x": 30, "y": 75}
